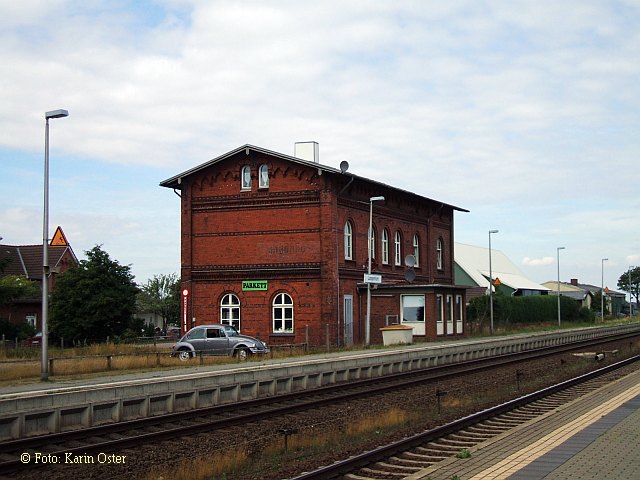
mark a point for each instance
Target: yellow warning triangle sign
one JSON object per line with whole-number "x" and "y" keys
{"x": 497, "y": 282}
{"x": 59, "y": 240}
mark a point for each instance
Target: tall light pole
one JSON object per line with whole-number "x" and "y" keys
{"x": 602, "y": 290}
{"x": 44, "y": 372}
{"x": 491, "y": 283}
{"x": 558, "y": 263}
{"x": 630, "y": 304}
{"x": 367, "y": 331}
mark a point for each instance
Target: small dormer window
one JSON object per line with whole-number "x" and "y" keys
{"x": 263, "y": 176}
{"x": 246, "y": 177}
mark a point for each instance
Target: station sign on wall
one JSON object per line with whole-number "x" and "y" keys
{"x": 254, "y": 285}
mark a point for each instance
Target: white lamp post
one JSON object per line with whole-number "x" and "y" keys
{"x": 630, "y": 304}
{"x": 491, "y": 284}
{"x": 44, "y": 375}
{"x": 558, "y": 262}
{"x": 367, "y": 332}
{"x": 602, "y": 290}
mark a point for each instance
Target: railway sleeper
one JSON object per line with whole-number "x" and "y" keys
{"x": 409, "y": 462}
{"x": 497, "y": 422}
{"x": 454, "y": 442}
{"x": 353, "y": 476}
{"x": 373, "y": 473}
{"x": 469, "y": 437}
{"x": 424, "y": 457}
{"x": 531, "y": 412}
{"x": 397, "y": 468}
{"x": 437, "y": 454}
{"x": 518, "y": 416}
{"x": 441, "y": 447}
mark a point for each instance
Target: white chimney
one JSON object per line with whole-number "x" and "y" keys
{"x": 307, "y": 151}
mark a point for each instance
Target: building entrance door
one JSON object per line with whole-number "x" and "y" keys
{"x": 348, "y": 320}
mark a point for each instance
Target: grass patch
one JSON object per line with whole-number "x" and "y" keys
{"x": 464, "y": 453}
{"x": 207, "y": 467}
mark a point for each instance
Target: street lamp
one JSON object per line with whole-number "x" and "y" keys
{"x": 630, "y": 304}
{"x": 602, "y": 290}
{"x": 558, "y": 262}
{"x": 367, "y": 332}
{"x": 44, "y": 375}
{"x": 491, "y": 283}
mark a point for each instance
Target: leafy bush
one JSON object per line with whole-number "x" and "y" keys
{"x": 525, "y": 310}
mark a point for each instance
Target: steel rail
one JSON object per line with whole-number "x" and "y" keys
{"x": 356, "y": 462}
{"x": 304, "y": 400}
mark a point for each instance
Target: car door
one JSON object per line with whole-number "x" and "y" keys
{"x": 196, "y": 338}
{"x": 216, "y": 342}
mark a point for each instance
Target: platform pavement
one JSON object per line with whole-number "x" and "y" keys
{"x": 593, "y": 437}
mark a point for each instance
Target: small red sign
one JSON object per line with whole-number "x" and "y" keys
{"x": 185, "y": 323}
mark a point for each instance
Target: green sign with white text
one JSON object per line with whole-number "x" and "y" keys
{"x": 254, "y": 285}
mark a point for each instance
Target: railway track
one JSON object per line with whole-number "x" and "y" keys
{"x": 410, "y": 455}
{"x": 115, "y": 437}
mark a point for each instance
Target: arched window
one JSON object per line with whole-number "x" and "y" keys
{"x": 416, "y": 248}
{"x": 282, "y": 314}
{"x": 230, "y": 311}
{"x": 398, "y": 250}
{"x": 348, "y": 241}
{"x": 385, "y": 246}
{"x": 372, "y": 243}
{"x": 263, "y": 176}
{"x": 439, "y": 255}
{"x": 246, "y": 177}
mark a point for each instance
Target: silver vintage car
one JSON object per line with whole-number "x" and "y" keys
{"x": 217, "y": 340}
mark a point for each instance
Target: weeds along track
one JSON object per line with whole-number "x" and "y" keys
{"x": 406, "y": 457}
{"x": 277, "y": 410}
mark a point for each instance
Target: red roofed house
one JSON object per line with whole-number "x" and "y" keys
{"x": 26, "y": 260}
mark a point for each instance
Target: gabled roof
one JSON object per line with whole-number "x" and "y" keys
{"x": 27, "y": 259}
{"x": 475, "y": 262}
{"x": 176, "y": 181}
{"x": 566, "y": 288}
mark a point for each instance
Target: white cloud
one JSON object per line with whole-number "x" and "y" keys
{"x": 524, "y": 113}
{"x": 538, "y": 262}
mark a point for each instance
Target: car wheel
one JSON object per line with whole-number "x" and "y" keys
{"x": 243, "y": 354}
{"x": 184, "y": 355}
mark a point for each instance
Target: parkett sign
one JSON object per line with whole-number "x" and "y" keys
{"x": 254, "y": 285}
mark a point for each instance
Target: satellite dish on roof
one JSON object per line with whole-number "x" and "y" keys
{"x": 410, "y": 261}
{"x": 344, "y": 166}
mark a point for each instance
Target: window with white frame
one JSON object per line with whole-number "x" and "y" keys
{"x": 459, "y": 314}
{"x": 282, "y": 313}
{"x": 348, "y": 241}
{"x": 263, "y": 176}
{"x": 439, "y": 315}
{"x": 372, "y": 243}
{"x": 412, "y": 308}
{"x": 385, "y": 246}
{"x": 246, "y": 177}
{"x": 230, "y": 311}
{"x": 439, "y": 254}
{"x": 416, "y": 249}
{"x": 398, "y": 248}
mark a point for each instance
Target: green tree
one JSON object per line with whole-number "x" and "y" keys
{"x": 16, "y": 287}
{"x": 161, "y": 296}
{"x": 632, "y": 276}
{"x": 95, "y": 299}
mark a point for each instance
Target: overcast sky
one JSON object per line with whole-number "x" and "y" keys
{"x": 526, "y": 113}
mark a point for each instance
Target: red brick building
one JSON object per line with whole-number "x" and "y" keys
{"x": 26, "y": 260}
{"x": 277, "y": 245}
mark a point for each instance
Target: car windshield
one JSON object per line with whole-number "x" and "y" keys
{"x": 231, "y": 332}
